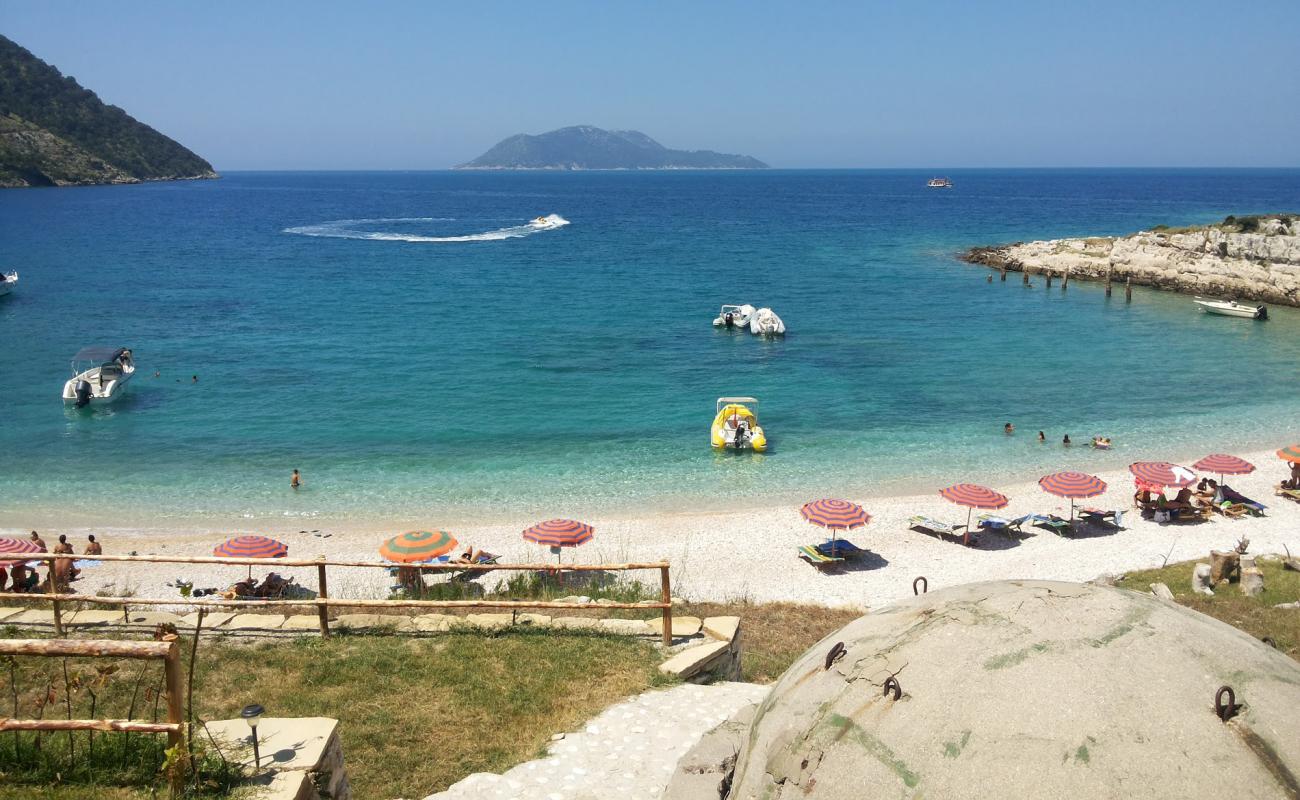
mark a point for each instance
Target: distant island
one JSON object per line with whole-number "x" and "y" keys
{"x": 53, "y": 132}
{"x": 1243, "y": 258}
{"x": 585, "y": 147}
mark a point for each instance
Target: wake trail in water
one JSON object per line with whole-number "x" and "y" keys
{"x": 357, "y": 229}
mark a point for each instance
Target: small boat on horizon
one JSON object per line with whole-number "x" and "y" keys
{"x": 939, "y": 183}
{"x": 736, "y": 425}
{"x": 1231, "y": 308}
{"x": 98, "y": 375}
{"x": 8, "y": 280}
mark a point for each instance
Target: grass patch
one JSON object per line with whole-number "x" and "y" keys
{"x": 773, "y": 635}
{"x": 1254, "y": 615}
{"x": 417, "y": 713}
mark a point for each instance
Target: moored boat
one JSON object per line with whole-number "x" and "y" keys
{"x": 7, "y": 282}
{"x": 765, "y": 322}
{"x": 1231, "y": 308}
{"x": 99, "y": 374}
{"x": 939, "y": 183}
{"x": 733, "y": 316}
{"x": 736, "y": 425}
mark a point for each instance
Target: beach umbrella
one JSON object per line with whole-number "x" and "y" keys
{"x": 1074, "y": 485}
{"x": 251, "y": 547}
{"x": 1162, "y": 473}
{"x": 557, "y": 533}
{"x": 973, "y": 496}
{"x": 1291, "y": 454}
{"x": 836, "y": 515}
{"x": 10, "y": 546}
{"x": 1224, "y": 464}
{"x": 413, "y": 547}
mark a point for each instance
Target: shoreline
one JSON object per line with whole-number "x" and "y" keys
{"x": 730, "y": 555}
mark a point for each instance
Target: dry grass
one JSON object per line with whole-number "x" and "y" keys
{"x": 1254, "y": 615}
{"x": 773, "y": 635}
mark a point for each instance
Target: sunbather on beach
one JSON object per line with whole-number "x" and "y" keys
{"x": 272, "y": 586}
{"x": 92, "y": 547}
{"x": 63, "y": 546}
{"x": 39, "y": 542}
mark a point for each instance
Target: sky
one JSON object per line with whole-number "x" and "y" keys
{"x": 426, "y": 85}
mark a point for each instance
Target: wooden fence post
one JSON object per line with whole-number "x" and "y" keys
{"x": 323, "y": 594}
{"x": 58, "y": 619}
{"x": 668, "y": 605}
{"x": 175, "y": 711}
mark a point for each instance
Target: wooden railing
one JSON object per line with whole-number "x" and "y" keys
{"x": 323, "y": 602}
{"x": 166, "y": 651}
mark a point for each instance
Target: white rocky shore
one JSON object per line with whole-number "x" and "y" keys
{"x": 1247, "y": 258}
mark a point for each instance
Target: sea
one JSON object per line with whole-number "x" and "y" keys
{"x": 421, "y": 352}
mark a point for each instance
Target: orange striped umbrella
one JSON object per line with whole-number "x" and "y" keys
{"x": 973, "y": 496}
{"x": 11, "y": 546}
{"x": 413, "y": 547}
{"x": 1074, "y": 485}
{"x": 557, "y": 533}
{"x": 836, "y": 515}
{"x": 251, "y": 547}
{"x": 1291, "y": 454}
{"x": 1224, "y": 464}
{"x": 1162, "y": 473}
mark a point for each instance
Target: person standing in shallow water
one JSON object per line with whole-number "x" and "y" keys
{"x": 296, "y": 480}
{"x": 1008, "y": 429}
{"x": 1041, "y": 437}
{"x": 1066, "y": 440}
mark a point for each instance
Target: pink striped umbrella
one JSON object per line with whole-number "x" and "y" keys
{"x": 12, "y": 546}
{"x": 1074, "y": 485}
{"x": 251, "y": 547}
{"x": 557, "y": 533}
{"x": 1224, "y": 464}
{"x": 1162, "y": 473}
{"x": 973, "y": 496}
{"x": 835, "y": 515}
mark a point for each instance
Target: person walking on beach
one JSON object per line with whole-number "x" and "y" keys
{"x": 1008, "y": 429}
{"x": 296, "y": 480}
{"x": 93, "y": 548}
{"x": 39, "y": 542}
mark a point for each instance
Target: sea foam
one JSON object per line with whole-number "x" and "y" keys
{"x": 358, "y": 229}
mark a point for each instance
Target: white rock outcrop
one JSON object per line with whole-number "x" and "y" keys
{"x": 1216, "y": 260}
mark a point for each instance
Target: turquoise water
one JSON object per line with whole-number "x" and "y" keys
{"x": 567, "y": 368}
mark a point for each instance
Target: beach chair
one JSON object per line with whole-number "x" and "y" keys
{"x": 1098, "y": 516}
{"x": 817, "y": 558}
{"x": 483, "y": 559}
{"x": 1230, "y": 495}
{"x": 843, "y": 548}
{"x": 941, "y": 529}
{"x": 1290, "y": 494}
{"x": 1049, "y": 522}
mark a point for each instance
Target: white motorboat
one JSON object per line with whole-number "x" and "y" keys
{"x": 734, "y": 316}
{"x": 99, "y": 374}
{"x": 765, "y": 322}
{"x": 7, "y": 282}
{"x": 1231, "y": 308}
{"x": 939, "y": 183}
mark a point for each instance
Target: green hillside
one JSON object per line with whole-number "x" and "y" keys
{"x": 54, "y": 132}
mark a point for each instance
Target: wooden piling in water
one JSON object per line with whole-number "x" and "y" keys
{"x": 1024, "y": 276}
{"x": 1065, "y": 282}
{"x": 1128, "y": 289}
{"x": 1049, "y": 280}
{"x": 1109, "y": 270}
{"x": 1004, "y": 273}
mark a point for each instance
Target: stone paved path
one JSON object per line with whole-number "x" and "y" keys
{"x": 628, "y": 751}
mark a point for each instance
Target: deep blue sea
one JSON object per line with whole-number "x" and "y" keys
{"x": 414, "y": 351}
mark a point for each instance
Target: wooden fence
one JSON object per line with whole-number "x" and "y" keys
{"x": 323, "y": 602}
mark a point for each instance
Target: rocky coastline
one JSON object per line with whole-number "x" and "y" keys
{"x": 1254, "y": 258}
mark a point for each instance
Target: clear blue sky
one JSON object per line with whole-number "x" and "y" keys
{"x": 424, "y": 85}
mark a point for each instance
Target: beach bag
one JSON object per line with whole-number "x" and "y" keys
{"x": 1162, "y": 516}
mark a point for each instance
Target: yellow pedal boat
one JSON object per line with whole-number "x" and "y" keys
{"x": 736, "y": 425}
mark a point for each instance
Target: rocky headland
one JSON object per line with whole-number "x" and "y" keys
{"x": 584, "y": 147}
{"x": 1242, "y": 258}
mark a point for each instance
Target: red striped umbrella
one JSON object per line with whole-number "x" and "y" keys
{"x": 836, "y": 515}
{"x": 251, "y": 547}
{"x": 1074, "y": 485}
{"x": 1291, "y": 454}
{"x": 416, "y": 546}
{"x": 973, "y": 496}
{"x": 1162, "y": 473}
{"x": 1224, "y": 464}
{"x": 557, "y": 533}
{"x": 11, "y": 546}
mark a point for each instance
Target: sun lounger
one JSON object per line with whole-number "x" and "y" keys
{"x": 1049, "y": 522}
{"x": 990, "y": 522}
{"x": 1234, "y": 497}
{"x": 843, "y": 548}
{"x": 1290, "y": 494}
{"x": 484, "y": 559}
{"x": 1099, "y": 516}
{"x": 814, "y": 556}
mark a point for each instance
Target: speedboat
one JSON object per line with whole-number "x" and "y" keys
{"x": 734, "y": 316}
{"x": 765, "y": 322}
{"x": 99, "y": 374}
{"x": 7, "y": 282}
{"x": 736, "y": 425}
{"x": 939, "y": 183}
{"x": 1231, "y": 308}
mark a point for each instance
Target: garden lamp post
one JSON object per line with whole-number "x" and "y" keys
{"x": 253, "y": 715}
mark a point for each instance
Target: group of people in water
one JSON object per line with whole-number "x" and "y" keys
{"x": 61, "y": 571}
{"x": 1099, "y": 442}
